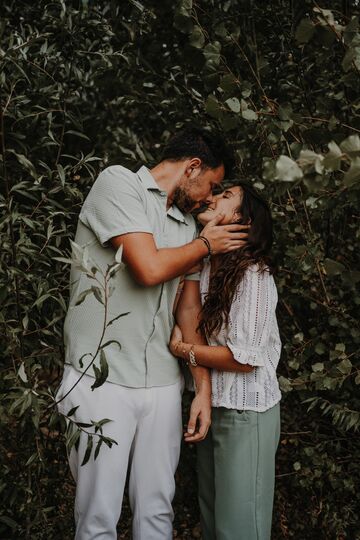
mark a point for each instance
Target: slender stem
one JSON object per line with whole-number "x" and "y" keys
{"x": 106, "y": 298}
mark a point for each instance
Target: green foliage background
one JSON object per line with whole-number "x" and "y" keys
{"x": 85, "y": 84}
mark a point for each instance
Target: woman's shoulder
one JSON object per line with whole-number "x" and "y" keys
{"x": 258, "y": 274}
{"x": 257, "y": 268}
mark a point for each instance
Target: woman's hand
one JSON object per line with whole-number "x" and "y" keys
{"x": 175, "y": 340}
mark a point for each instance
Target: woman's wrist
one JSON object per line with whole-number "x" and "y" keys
{"x": 186, "y": 352}
{"x": 182, "y": 349}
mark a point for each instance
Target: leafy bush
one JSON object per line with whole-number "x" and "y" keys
{"x": 89, "y": 84}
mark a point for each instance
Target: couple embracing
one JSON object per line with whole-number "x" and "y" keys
{"x": 224, "y": 329}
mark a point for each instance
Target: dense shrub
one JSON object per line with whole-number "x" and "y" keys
{"x": 85, "y": 84}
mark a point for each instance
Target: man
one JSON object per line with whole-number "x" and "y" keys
{"x": 147, "y": 214}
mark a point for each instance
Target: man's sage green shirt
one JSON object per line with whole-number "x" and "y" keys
{"x": 121, "y": 202}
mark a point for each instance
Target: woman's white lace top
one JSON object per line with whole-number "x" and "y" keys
{"x": 252, "y": 335}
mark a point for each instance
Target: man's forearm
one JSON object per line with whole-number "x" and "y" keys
{"x": 158, "y": 265}
{"x": 151, "y": 266}
{"x": 169, "y": 263}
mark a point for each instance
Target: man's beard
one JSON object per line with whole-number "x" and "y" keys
{"x": 183, "y": 201}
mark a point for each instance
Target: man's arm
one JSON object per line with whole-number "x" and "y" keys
{"x": 151, "y": 266}
{"x": 187, "y": 316}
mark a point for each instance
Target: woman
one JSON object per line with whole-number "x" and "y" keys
{"x": 236, "y": 462}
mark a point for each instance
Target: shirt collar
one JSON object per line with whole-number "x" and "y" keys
{"x": 147, "y": 178}
{"x": 175, "y": 213}
{"x": 148, "y": 182}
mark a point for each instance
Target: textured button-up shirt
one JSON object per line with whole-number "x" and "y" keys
{"x": 121, "y": 202}
{"x": 252, "y": 335}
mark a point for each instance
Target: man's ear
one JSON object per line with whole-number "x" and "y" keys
{"x": 194, "y": 163}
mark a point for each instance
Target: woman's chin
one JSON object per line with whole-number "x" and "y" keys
{"x": 203, "y": 218}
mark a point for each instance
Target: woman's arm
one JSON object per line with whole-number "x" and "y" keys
{"x": 187, "y": 313}
{"x": 216, "y": 357}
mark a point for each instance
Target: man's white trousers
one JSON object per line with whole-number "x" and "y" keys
{"x": 146, "y": 423}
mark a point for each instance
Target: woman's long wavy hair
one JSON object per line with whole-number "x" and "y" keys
{"x": 254, "y": 210}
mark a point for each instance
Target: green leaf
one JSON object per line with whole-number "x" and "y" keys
{"x": 117, "y": 317}
{"x": 352, "y": 176}
{"x": 98, "y": 294}
{"x": 119, "y": 254}
{"x": 285, "y": 384}
{"x": 229, "y": 83}
{"x": 213, "y": 107}
{"x": 212, "y": 53}
{"x": 82, "y": 296}
{"x": 233, "y": 104}
{"x": 351, "y": 146}
{"x": 81, "y": 363}
{"x": 182, "y": 18}
{"x": 309, "y": 160}
{"x": 333, "y": 268}
{"x": 61, "y": 174}
{"x": 345, "y": 366}
{"x": 97, "y": 449}
{"x": 9, "y": 522}
{"x": 248, "y": 114}
{"x": 22, "y": 373}
{"x": 102, "y": 373}
{"x": 351, "y": 31}
{"x": 73, "y": 410}
{"x": 88, "y": 450}
{"x": 109, "y": 343}
{"x": 197, "y": 38}
{"x": 332, "y": 160}
{"x": 351, "y": 59}
{"x": 98, "y": 425}
{"x": 287, "y": 170}
{"x": 113, "y": 269}
{"x": 318, "y": 367}
{"x": 27, "y": 164}
{"x": 320, "y": 348}
{"x": 63, "y": 259}
{"x": 304, "y": 31}
{"x": 31, "y": 459}
{"x": 73, "y": 440}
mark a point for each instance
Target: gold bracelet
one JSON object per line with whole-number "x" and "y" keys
{"x": 192, "y": 358}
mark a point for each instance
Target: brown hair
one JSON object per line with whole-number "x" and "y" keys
{"x": 233, "y": 265}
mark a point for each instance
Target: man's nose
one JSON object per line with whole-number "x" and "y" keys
{"x": 209, "y": 199}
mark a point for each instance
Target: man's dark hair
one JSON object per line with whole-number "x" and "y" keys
{"x": 193, "y": 142}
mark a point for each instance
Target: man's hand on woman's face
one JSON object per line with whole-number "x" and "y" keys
{"x": 225, "y": 238}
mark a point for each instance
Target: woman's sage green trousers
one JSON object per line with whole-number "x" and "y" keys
{"x": 236, "y": 472}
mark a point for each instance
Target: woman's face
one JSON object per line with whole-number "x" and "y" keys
{"x": 227, "y": 202}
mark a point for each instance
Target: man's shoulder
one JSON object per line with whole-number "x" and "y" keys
{"x": 118, "y": 173}
{"x": 116, "y": 180}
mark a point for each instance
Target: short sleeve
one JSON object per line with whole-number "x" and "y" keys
{"x": 114, "y": 205}
{"x": 194, "y": 276}
{"x": 251, "y": 318}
